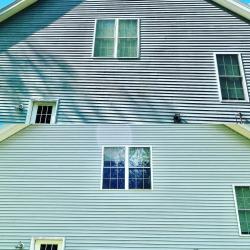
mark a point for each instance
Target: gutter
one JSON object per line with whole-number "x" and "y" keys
{"x": 235, "y": 6}
{"x": 241, "y": 129}
{"x": 14, "y": 8}
{"x": 9, "y": 130}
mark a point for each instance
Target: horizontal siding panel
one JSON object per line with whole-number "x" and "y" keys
{"x": 50, "y": 57}
{"x": 50, "y": 186}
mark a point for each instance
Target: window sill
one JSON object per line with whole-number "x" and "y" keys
{"x": 115, "y": 58}
{"x": 234, "y": 101}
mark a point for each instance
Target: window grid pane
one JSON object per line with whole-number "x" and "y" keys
{"x": 243, "y": 203}
{"x": 231, "y": 81}
{"x": 48, "y": 247}
{"x": 127, "y": 38}
{"x": 114, "y": 168}
{"x": 139, "y": 168}
{"x": 44, "y": 114}
{"x": 105, "y": 38}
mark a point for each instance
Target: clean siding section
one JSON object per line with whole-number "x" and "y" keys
{"x": 49, "y": 56}
{"x": 50, "y": 186}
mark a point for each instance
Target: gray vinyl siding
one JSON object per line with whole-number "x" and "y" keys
{"x": 50, "y": 186}
{"x": 46, "y": 52}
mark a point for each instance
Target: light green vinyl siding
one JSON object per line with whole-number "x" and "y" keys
{"x": 50, "y": 185}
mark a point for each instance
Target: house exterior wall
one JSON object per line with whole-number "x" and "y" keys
{"x": 46, "y": 53}
{"x": 50, "y": 186}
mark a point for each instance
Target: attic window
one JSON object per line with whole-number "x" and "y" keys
{"x": 48, "y": 244}
{"x": 117, "y": 38}
{"x": 231, "y": 78}
{"x": 42, "y": 112}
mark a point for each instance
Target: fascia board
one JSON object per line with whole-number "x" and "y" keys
{"x": 15, "y": 8}
{"x": 236, "y": 7}
{"x": 242, "y": 129}
{"x": 9, "y": 130}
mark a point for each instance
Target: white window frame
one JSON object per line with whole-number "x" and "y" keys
{"x": 116, "y": 38}
{"x": 236, "y": 207}
{"x": 56, "y": 240}
{"x": 242, "y": 72}
{"x": 127, "y": 167}
{"x": 32, "y": 110}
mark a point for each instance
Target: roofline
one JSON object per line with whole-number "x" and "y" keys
{"x": 14, "y": 8}
{"x": 13, "y": 129}
{"x": 236, "y": 7}
{"x": 241, "y": 129}
{"x": 10, "y": 130}
{"x": 232, "y": 5}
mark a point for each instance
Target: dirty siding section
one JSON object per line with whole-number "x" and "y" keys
{"x": 46, "y": 52}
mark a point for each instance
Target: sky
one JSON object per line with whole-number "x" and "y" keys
{"x": 3, "y": 3}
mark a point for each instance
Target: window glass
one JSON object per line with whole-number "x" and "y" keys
{"x": 139, "y": 168}
{"x": 44, "y": 114}
{"x": 127, "y": 40}
{"x": 114, "y": 168}
{"x": 243, "y": 203}
{"x": 105, "y": 38}
{"x": 126, "y": 167}
{"x": 116, "y": 38}
{"x": 231, "y": 80}
{"x": 48, "y": 247}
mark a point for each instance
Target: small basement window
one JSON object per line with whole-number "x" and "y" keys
{"x": 42, "y": 112}
{"x": 231, "y": 78}
{"x": 116, "y": 38}
{"x": 127, "y": 168}
{"x": 48, "y": 244}
{"x": 242, "y": 194}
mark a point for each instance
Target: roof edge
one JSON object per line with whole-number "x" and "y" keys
{"x": 241, "y": 129}
{"x": 10, "y": 130}
{"x": 14, "y": 8}
{"x": 236, "y": 7}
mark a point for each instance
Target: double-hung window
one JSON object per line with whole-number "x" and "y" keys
{"x": 117, "y": 38}
{"x": 127, "y": 168}
{"x": 242, "y": 194}
{"x": 231, "y": 78}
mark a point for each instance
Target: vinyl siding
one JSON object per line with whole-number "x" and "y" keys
{"x": 45, "y": 52}
{"x": 50, "y": 186}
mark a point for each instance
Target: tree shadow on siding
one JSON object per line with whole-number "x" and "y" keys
{"x": 34, "y": 18}
{"x": 35, "y": 71}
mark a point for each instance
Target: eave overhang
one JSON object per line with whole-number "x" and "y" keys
{"x": 9, "y": 130}
{"x": 235, "y": 6}
{"x": 242, "y": 129}
{"x": 14, "y": 8}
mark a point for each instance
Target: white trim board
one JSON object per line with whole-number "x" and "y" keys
{"x": 236, "y": 7}
{"x": 10, "y": 130}
{"x": 15, "y": 8}
{"x": 241, "y": 129}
